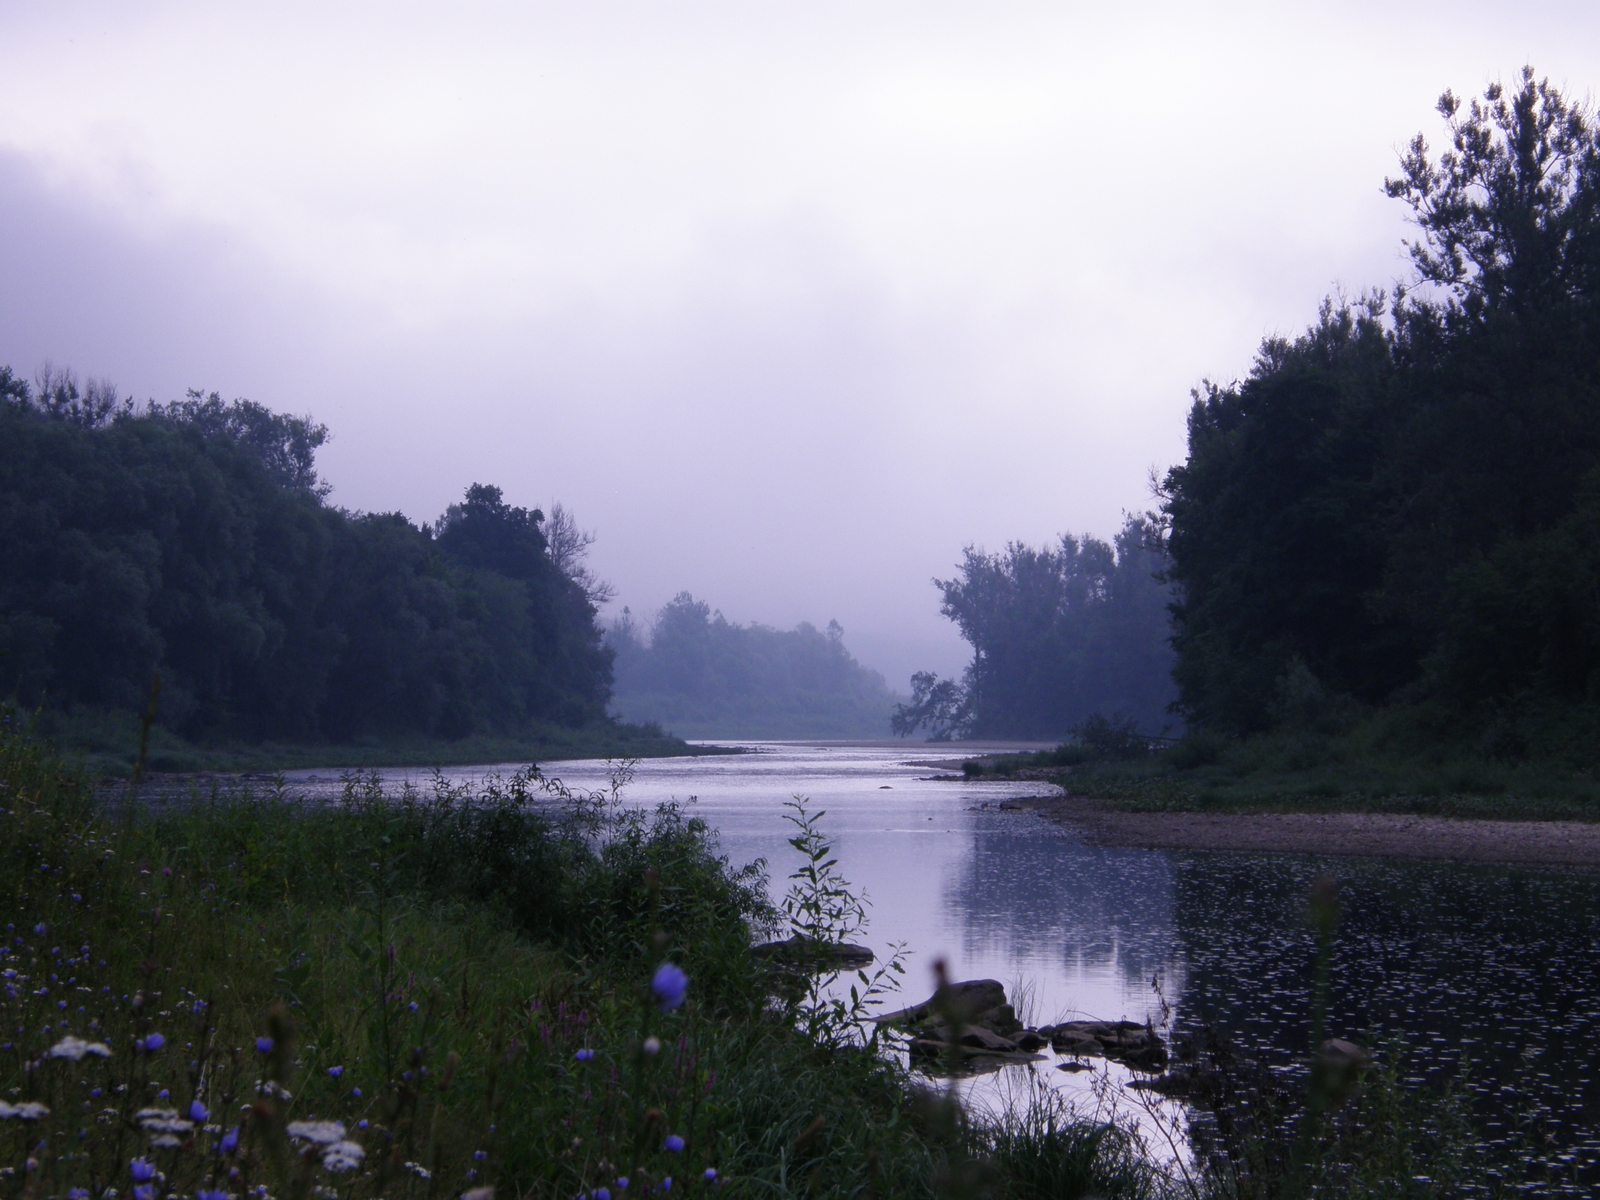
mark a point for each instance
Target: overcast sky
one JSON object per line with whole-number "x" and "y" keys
{"x": 788, "y": 302}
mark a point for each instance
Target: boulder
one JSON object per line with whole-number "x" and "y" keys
{"x": 969, "y": 1000}
{"x": 813, "y": 957}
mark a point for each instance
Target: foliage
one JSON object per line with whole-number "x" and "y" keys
{"x": 192, "y": 540}
{"x": 701, "y": 675}
{"x": 1056, "y": 635}
{"x": 1395, "y": 508}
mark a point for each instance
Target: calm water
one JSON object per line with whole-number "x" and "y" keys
{"x": 1494, "y": 967}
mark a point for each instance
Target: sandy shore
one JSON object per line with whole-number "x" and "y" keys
{"x": 1546, "y": 843}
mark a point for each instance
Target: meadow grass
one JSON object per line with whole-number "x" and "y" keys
{"x": 429, "y": 994}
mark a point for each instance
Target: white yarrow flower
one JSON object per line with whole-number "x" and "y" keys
{"x": 28, "y": 1110}
{"x": 324, "y": 1133}
{"x": 343, "y": 1156}
{"x": 75, "y": 1048}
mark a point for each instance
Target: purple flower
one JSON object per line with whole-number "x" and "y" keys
{"x": 263, "y": 1045}
{"x": 336, "y": 1071}
{"x": 77, "y": 1194}
{"x": 622, "y": 1183}
{"x": 355, "y": 1092}
{"x": 412, "y": 1006}
{"x": 203, "y": 1194}
{"x": 230, "y": 1141}
{"x": 151, "y": 1042}
{"x": 584, "y": 1055}
{"x": 145, "y": 1191}
{"x": 664, "y": 1186}
{"x": 674, "y": 1144}
{"x": 41, "y": 929}
{"x": 141, "y": 1170}
{"x": 361, "y": 1124}
{"x": 711, "y": 1174}
{"x": 669, "y": 985}
{"x": 198, "y": 1112}
{"x": 601, "y": 1193}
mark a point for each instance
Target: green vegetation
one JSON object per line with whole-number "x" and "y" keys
{"x": 1056, "y": 635}
{"x": 1397, "y": 510}
{"x": 1372, "y": 767}
{"x": 469, "y": 985}
{"x": 192, "y": 541}
{"x": 701, "y": 675}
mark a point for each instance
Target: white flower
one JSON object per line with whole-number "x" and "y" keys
{"x": 162, "y": 1120}
{"x": 420, "y": 1171}
{"x": 164, "y": 1140}
{"x": 343, "y": 1156}
{"x": 28, "y": 1110}
{"x": 324, "y": 1133}
{"x": 75, "y": 1048}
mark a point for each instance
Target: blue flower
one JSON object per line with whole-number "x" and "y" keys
{"x": 141, "y": 1170}
{"x": 230, "y": 1141}
{"x": 198, "y": 1112}
{"x": 77, "y": 1194}
{"x": 151, "y": 1042}
{"x": 336, "y": 1071}
{"x": 664, "y": 1186}
{"x": 584, "y": 1055}
{"x": 669, "y": 985}
{"x": 145, "y": 1191}
{"x": 203, "y": 1194}
{"x": 711, "y": 1174}
{"x": 601, "y": 1193}
{"x": 361, "y": 1124}
{"x": 622, "y": 1183}
{"x": 264, "y": 1045}
{"x": 674, "y": 1144}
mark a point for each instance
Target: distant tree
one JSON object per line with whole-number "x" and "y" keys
{"x": 1056, "y": 634}
{"x": 569, "y": 548}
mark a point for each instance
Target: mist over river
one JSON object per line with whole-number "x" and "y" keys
{"x": 1494, "y": 967}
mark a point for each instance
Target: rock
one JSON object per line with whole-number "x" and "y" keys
{"x": 814, "y": 957}
{"x": 1031, "y": 1039}
{"x": 1074, "y": 1066}
{"x": 1128, "y": 1042}
{"x": 978, "y": 1038}
{"x": 971, "y": 1000}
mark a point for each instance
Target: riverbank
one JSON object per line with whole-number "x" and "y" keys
{"x": 1356, "y": 834}
{"x": 107, "y": 744}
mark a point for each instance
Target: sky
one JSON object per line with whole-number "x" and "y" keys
{"x": 788, "y": 303}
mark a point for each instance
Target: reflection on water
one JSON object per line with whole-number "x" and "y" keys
{"x": 1496, "y": 967}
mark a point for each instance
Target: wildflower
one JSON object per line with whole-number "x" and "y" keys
{"x": 324, "y": 1133}
{"x": 669, "y": 984}
{"x": 622, "y": 1183}
{"x": 652, "y": 1046}
{"x": 150, "y": 1043}
{"x": 198, "y": 1112}
{"x": 75, "y": 1048}
{"x": 674, "y": 1144}
{"x": 420, "y": 1171}
{"x": 711, "y": 1175}
{"x": 205, "y": 1194}
{"x": 336, "y": 1071}
{"x": 480, "y": 1155}
{"x": 77, "y": 1194}
{"x": 28, "y": 1110}
{"x": 584, "y": 1055}
{"x": 343, "y": 1156}
{"x": 41, "y": 929}
{"x": 264, "y": 1045}
{"x": 145, "y": 1191}
{"x": 356, "y": 1092}
{"x": 665, "y": 1185}
{"x": 141, "y": 1170}
{"x": 412, "y": 1006}
{"x": 230, "y": 1141}
{"x": 361, "y": 1124}
{"x": 601, "y": 1193}
{"x": 162, "y": 1121}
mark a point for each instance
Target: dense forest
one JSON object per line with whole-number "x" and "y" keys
{"x": 1058, "y": 635}
{"x": 1398, "y": 511}
{"x": 701, "y": 675}
{"x": 193, "y": 541}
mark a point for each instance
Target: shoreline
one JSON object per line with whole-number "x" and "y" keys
{"x": 1360, "y": 835}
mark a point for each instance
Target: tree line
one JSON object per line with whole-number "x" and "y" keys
{"x": 1399, "y": 509}
{"x": 699, "y": 674}
{"x": 193, "y": 540}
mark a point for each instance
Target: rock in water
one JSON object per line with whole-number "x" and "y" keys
{"x": 812, "y": 956}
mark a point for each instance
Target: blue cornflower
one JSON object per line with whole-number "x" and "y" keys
{"x": 601, "y": 1193}
{"x": 145, "y": 1191}
{"x": 674, "y": 1144}
{"x": 77, "y": 1194}
{"x": 264, "y": 1045}
{"x": 584, "y": 1055}
{"x": 142, "y": 1170}
{"x": 198, "y": 1112}
{"x": 622, "y": 1183}
{"x": 41, "y": 929}
{"x": 664, "y": 1186}
{"x": 669, "y": 985}
{"x": 203, "y": 1194}
{"x": 711, "y": 1174}
{"x": 361, "y": 1124}
{"x": 150, "y": 1043}
{"x": 336, "y": 1071}
{"x": 230, "y": 1141}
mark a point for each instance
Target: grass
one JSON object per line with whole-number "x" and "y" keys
{"x": 106, "y": 743}
{"x": 421, "y": 995}
{"x": 1365, "y": 769}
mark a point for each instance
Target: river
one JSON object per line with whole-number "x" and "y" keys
{"x": 1494, "y": 968}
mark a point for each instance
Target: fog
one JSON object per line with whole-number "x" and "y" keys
{"x": 787, "y": 303}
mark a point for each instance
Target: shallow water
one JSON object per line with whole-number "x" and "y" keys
{"x": 1496, "y": 967}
